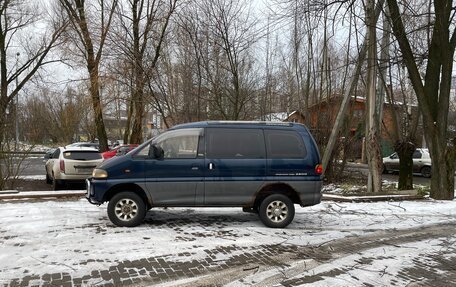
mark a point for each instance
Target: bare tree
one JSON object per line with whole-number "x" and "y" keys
{"x": 228, "y": 65}
{"x": 140, "y": 34}
{"x": 89, "y": 38}
{"x": 17, "y": 19}
{"x": 432, "y": 86}
{"x": 405, "y": 119}
{"x": 17, "y": 23}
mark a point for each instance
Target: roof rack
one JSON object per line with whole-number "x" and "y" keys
{"x": 265, "y": 123}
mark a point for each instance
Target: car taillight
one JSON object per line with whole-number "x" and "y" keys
{"x": 319, "y": 169}
{"x": 62, "y": 165}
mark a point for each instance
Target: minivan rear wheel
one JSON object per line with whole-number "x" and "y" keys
{"x": 277, "y": 211}
{"x": 126, "y": 209}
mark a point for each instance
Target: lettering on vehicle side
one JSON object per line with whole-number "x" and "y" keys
{"x": 290, "y": 174}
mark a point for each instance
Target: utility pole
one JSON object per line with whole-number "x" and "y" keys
{"x": 374, "y": 182}
{"x": 17, "y": 100}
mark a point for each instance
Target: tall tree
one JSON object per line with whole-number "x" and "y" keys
{"x": 432, "y": 87}
{"x": 142, "y": 30}
{"x": 229, "y": 65}
{"x": 89, "y": 37}
{"x": 22, "y": 56}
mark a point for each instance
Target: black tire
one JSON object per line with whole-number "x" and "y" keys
{"x": 426, "y": 171}
{"x": 48, "y": 179}
{"x": 276, "y": 211}
{"x": 384, "y": 170}
{"x": 56, "y": 184}
{"x": 127, "y": 209}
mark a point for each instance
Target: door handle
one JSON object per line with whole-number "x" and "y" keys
{"x": 195, "y": 168}
{"x": 211, "y": 165}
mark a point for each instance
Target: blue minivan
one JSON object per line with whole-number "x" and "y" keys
{"x": 263, "y": 167}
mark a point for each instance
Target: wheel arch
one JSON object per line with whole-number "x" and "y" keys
{"x": 127, "y": 187}
{"x": 276, "y": 188}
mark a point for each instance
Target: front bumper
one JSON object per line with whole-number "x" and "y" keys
{"x": 90, "y": 193}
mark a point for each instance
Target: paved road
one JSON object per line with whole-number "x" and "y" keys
{"x": 394, "y": 177}
{"x": 30, "y": 166}
{"x": 33, "y": 166}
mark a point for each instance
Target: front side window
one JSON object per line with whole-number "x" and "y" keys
{"x": 179, "y": 143}
{"x": 226, "y": 143}
{"x": 284, "y": 144}
{"x": 176, "y": 144}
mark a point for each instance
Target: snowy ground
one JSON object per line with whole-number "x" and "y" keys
{"x": 335, "y": 244}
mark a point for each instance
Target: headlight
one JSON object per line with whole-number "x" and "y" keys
{"x": 99, "y": 173}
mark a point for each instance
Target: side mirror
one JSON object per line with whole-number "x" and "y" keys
{"x": 156, "y": 152}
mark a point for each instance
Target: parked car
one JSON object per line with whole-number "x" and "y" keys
{"x": 118, "y": 150}
{"x": 85, "y": 144}
{"x": 117, "y": 143}
{"x": 71, "y": 165}
{"x": 421, "y": 162}
{"x": 263, "y": 167}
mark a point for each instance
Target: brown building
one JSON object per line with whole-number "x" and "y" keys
{"x": 322, "y": 117}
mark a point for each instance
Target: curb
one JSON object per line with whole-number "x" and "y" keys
{"x": 14, "y": 195}
{"x": 392, "y": 197}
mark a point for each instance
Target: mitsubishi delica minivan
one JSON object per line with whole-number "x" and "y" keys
{"x": 263, "y": 167}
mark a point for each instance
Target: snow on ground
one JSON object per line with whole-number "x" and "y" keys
{"x": 32, "y": 177}
{"x": 76, "y": 237}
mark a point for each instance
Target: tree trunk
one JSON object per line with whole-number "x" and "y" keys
{"x": 443, "y": 167}
{"x": 126, "y": 137}
{"x": 97, "y": 107}
{"x": 433, "y": 91}
{"x": 137, "y": 129}
{"x": 405, "y": 152}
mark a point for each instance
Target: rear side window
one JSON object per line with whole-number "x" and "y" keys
{"x": 284, "y": 144}
{"x": 56, "y": 154}
{"x": 417, "y": 154}
{"x": 81, "y": 155}
{"x": 235, "y": 143}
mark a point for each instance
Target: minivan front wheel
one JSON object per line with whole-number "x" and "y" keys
{"x": 126, "y": 209}
{"x": 277, "y": 211}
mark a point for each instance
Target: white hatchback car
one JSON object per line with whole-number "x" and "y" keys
{"x": 421, "y": 162}
{"x": 71, "y": 165}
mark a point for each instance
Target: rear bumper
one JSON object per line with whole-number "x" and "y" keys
{"x": 72, "y": 177}
{"x": 311, "y": 194}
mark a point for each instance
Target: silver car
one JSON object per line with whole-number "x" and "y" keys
{"x": 421, "y": 162}
{"x": 71, "y": 165}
